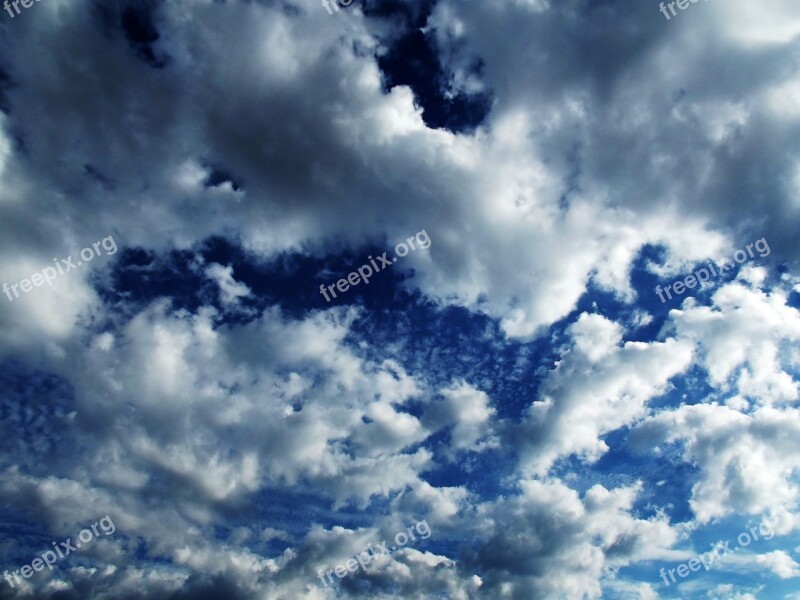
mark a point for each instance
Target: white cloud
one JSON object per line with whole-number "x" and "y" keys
{"x": 230, "y": 289}
{"x": 468, "y": 411}
{"x": 780, "y": 563}
{"x": 580, "y": 400}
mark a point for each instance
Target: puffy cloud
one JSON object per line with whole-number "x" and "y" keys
{"x": 582, "y": 399}
{"x": 230, "y": 289}
{"x": 746, "y": 461}
{"x": 547, "y": 540}
{"x": 744, "y": 335}
{"x": 745, "y": 450}
{"x": 469, "y": 414}
{"x": 780, "y": 563}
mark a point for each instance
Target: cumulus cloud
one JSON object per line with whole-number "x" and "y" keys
{"x": 581, "y": 401}
{"x": 745, "y": 449}
{"x": 230, "y": 289}
{"x": 547, "y": 540}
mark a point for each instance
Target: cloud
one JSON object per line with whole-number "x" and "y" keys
{"x": 744, "y": 449}
{"x": 780, "y": 563}
{"x": 579, "y": 401}
{"x": 468, "y": 412}
{"x": 230, "y": 289}
{"x": 547, "y": 540}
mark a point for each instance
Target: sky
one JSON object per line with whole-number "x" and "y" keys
{"x": 428, "y": 299}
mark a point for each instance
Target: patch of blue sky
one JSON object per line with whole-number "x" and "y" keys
{"x": 739, "y": 569}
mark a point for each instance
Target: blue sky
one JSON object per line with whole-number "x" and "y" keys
{"x": 517, "y": 384}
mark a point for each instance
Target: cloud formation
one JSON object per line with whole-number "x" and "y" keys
{"x": 518, "y": 385}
